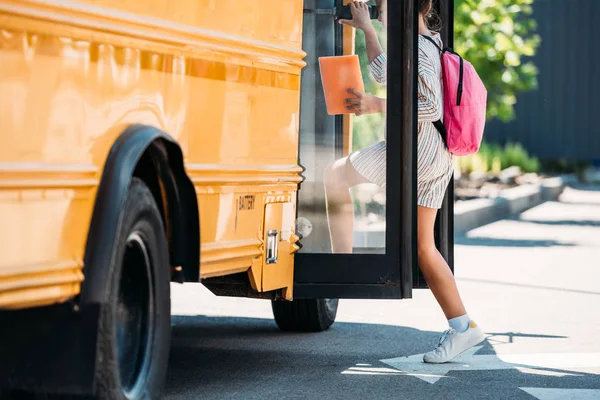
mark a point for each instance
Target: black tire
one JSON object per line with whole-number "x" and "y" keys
{"x": 305, "y": 315}
{"x": 135, "y": 326}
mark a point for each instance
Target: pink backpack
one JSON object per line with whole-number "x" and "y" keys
{"x": 465, "y": 99}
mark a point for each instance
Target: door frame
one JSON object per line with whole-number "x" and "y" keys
{"x": 393, "y": 274}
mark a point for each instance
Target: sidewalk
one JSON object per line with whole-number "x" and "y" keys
{"x": 542, "y": 269}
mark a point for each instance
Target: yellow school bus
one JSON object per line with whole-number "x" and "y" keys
{"x": 149, "y": 142}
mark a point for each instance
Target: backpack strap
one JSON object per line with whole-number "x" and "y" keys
{"x": 439, "y": 125}
{"x": 434, "y": 43}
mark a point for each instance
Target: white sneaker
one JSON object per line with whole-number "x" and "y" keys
{"x": 453, "y": 343}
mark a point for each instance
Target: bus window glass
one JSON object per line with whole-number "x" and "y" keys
{"x": 342, "y": 201}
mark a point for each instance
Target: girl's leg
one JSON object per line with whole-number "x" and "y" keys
{"x": 435, "y": 269}
{"x": 339, "y": 178}
{"x": 465, "y": 333}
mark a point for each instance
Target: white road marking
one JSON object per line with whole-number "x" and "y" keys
{"x": 468, "y": 361}
{"x": 371, "y": 371}
{"x": 563, "y": 394}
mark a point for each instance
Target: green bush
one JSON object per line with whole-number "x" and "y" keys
{"x": 494, "y": 158}
{"x": 532, "y": 165}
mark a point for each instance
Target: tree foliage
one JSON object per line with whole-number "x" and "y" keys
{"x": 368, "y": 129}
{"x": 497, "y": 36}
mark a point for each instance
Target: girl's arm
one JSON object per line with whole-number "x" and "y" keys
{"x": 361, "y": 20}
{"x": 374, "y": 49}
{"x": 377, "y": 58}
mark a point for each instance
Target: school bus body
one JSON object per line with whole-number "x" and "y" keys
{"x": 149, "y": 141}
{"x": 220, "y": 78}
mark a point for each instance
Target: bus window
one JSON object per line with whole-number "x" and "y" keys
{"x": 325, "y": 139}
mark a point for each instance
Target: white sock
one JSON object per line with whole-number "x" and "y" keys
{"x": 460, "y": 324}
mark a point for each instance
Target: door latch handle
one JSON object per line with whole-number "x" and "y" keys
{"x": 272, "y": 246}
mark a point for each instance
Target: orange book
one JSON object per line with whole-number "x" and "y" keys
{"x": 339, "y": 73}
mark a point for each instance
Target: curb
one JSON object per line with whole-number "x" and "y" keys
{"x": 472, "y": 214}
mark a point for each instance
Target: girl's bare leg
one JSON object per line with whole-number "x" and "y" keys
{"x": 339, "y": 178}
{"x": 435, "y": 269}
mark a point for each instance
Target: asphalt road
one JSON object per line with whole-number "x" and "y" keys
{"x": 532, "y": 283}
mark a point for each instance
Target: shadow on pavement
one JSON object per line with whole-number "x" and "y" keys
{"x": 580, "y": 203}
{"x": 587, "y": 187}
{"x": 500, "y": 242}
{"x": 523, "y": 285}
{"x": 247, "y": 358}
{"x": 510, "y": 336}
{"x": 563, "y": 222}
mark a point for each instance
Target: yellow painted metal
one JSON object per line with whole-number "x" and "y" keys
{"x": 279, "y": 217}
{"x": 221, "y": 77}
{"x": 36, "y": 284}
{"x": 348, "y": 46}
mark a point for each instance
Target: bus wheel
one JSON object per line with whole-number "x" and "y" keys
{"x": 135, "y": 326}
{"x": 305, "y": 315}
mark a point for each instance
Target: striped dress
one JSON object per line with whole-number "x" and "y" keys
{"x": 435, "y": 164}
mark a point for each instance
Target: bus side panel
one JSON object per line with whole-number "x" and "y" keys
{"x": 272, "y": 21}
{"x": 68, "y": 92}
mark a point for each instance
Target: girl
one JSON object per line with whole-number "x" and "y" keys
{"x": 434, "y": 170}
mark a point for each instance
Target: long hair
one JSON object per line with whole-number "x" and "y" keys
{"x": 432, "y": 19}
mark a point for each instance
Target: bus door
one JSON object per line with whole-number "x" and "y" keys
{"x": 374, "y": 254}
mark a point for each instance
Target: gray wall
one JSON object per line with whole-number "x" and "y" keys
{"x": 561, "y": 118}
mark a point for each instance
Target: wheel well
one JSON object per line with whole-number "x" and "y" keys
{"x": 153, "y": 156}
{"x": 162, "y": 170}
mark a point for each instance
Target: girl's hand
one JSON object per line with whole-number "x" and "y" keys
{"x": 361, "y": 19}
{"x": 364, "y": 103}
